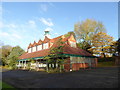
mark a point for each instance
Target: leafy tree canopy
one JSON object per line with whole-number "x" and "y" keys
{"x": 55, "y": 55}
{"x": 69, "y": 33}
{"x": 85, "y": 30}
{"x": 101, "y": 42}
{"x": 14, "y": 54}
{"x": 5, "y": 51}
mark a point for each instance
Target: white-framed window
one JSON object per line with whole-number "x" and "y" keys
{"x": 39, "y": 47}
{"x": 45, "y": 45}
{"x": 29, "y": 50}
{"x": 72, "y": 44}
{"x": 34, "y": 49}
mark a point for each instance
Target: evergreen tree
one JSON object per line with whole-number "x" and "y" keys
{"x": 56, "y": 55}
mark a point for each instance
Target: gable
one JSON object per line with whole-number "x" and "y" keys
{"x": 72, "y": 38}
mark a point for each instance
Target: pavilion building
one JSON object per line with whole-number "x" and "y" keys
{"x": 76, "y": 58}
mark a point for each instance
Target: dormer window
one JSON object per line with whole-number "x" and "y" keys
{"x": 29, "y": 50}
{"x": 34, "y": 49}
{"x": 39, "y": 47}
{"x": 45, "y": 45}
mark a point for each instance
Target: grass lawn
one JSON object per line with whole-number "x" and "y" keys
{"x": 5, "y": 85}
{"x": 106, "y": 64}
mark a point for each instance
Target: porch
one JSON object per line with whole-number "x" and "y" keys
{"x": 72, "y": 63}
{"x": 39, "y": 64}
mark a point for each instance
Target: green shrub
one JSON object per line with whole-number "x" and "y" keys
{"x": 51, "y": 70}
{"x": 28, "y": 66}
{"x": 32, "y": 61}
{"x": 12, "y": 67}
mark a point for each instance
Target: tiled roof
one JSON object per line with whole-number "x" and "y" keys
{"x": 34, "y": 44}
{"x": 35, "y": 54}
{"x": 57, "y": 38}
{"x": 66, "y": 50}
{"x": 46, "y": 39}
{"x": 39, "y": 42}
{"x": 30, "y": 45}
{"x": 75, "y": 51}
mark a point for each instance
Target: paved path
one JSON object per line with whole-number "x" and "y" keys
{"x": 106, "y": 77}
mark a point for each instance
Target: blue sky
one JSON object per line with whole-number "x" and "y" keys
{"x": 25, "y": 22}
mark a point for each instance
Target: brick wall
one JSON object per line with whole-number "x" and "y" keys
{"x": 67, "y": 65}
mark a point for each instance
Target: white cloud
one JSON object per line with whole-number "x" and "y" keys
{"x": 4, "y": 34}
{"x": 21, "y": 33}
{"x": 48, "y": 29}
{"x": 47, "y": 22}
{"x": 10, "y": 35}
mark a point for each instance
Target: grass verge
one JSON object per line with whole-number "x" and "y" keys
{"x": 106, "y": 64}
{"x": 5, "y": 86}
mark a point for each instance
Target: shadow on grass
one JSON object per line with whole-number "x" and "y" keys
{"x": 106, "y": 64}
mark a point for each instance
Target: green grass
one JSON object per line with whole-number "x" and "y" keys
{"x": 106, "y": 64}
{"x": 5, "y": 85}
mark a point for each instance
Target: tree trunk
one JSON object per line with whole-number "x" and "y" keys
{"x": 103, "y": 52}
{"x": 47, "y": 66}
{"x": 103, "y": 55}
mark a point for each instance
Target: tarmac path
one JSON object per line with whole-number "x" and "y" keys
{"x": 106, "y": 77}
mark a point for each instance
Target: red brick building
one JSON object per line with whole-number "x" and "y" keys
{"x": 76, "y": 58}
